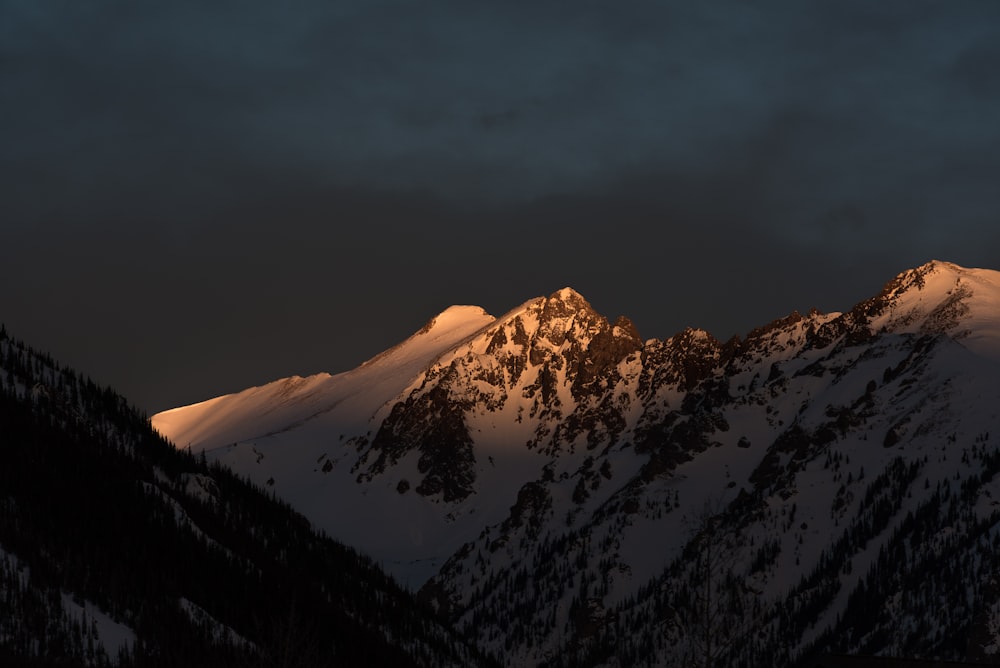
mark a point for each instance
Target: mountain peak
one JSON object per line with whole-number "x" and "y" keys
{"x": 936, "y": 271}
{"x": 567, "y": 294}
{"x": 941, "y": 265}
{"x": 564, "y": 303}
{"x": 446, "y": 329}
{"x": 939, "y": 280}
{"x": 458, "y": 315}
{"x": 935, "y": 298}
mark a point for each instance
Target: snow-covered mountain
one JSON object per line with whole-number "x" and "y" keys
{"x": 567, "y": 493}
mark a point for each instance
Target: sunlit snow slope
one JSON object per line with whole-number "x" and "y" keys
{"x": 351, "y": 397}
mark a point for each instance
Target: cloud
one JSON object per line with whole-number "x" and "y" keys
{"x": 513, "y": 102}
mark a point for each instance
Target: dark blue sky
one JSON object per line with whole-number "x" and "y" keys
{"x": 198, "y": 199}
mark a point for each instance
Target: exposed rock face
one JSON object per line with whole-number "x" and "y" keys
{"x": 433, "y": 425}
{"x": 529, "y": 359}
{"x": 533, "y": 502}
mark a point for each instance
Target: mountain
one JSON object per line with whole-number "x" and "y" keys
{"x": 566, "y": 493}
{"x": 118, "y": 549}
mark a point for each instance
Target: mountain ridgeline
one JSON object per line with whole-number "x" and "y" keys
{"x": 118, "y": 549}
{"x": 554, "y": 489}
{"x": 567, "y": 494}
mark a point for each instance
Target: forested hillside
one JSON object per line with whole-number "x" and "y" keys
{"x": 117, "y": 549}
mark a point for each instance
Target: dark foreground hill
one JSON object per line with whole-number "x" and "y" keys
{"x": 117, "y": 549}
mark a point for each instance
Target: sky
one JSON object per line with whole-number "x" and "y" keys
{"x": 196, "y": 198}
